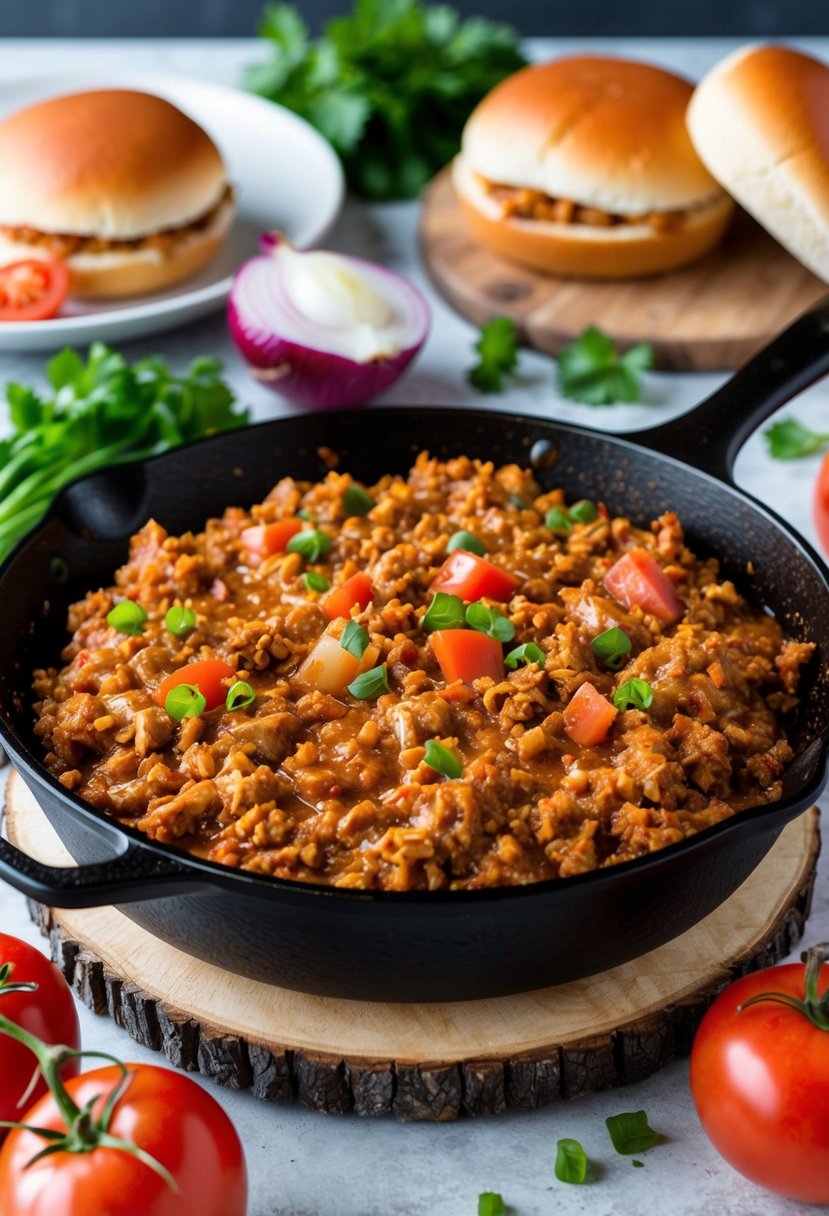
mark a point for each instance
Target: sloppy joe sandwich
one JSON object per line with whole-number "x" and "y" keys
{"x": 131, "y": 193}
{"x": 583, "y": 166}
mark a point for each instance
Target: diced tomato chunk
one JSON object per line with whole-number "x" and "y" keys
{"x": 263, "y": 540}
{"x": 637, "y": 578}
{"x": 471, "y": 577}
{"x": 356, "y": 591}
{"x": 466, "y": 654}
{"x": 208, "y": 675}
{"x": 820, "y": 504}
{"x": 588, "y": 716}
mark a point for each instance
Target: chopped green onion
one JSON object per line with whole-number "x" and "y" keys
{"x": 571, "y": 1162}
{"x": 179, "y": 620}
{"x": 185, "y": 701}
{"x": 304, "y": 513}
{"x": 557, "y": 520}
{"x": 443, "y": 759}
{"x": 356, "y": 501}
{"x": 466, "y": 541}
{"x": 584, "y": 511}
{"x": 310, "y": 543}
{"x": 489, "y": 621}
{"x": 354, "y": 639}
{"x": 611, "y": 647}
{"x": 445, "y": 612}
{"x": 370, "y": 684}
{"x": 314, "y": 581}
{"x": 515, "y": 500}
{"x": 491, "y": 1204}
{"x": 638, "y": 1165}
{"x": 127, "y": 617}
{"x": 637, "y": 693}
{"x": 239, "y": 696}
{"x": 631, "y": 1132}
{"x": 527, "y": 653}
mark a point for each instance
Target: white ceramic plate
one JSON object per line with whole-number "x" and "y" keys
{"x": 285, "y": 176}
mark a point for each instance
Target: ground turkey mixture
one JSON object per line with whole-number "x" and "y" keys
{"x": 320, "y": 771}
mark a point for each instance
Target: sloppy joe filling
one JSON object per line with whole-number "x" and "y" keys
{"x": 454, "y": 679}
{"x": 520, "y": 202}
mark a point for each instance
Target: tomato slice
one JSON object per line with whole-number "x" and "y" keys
{"x": 471, "y": 577}
{"x": 355, "y": 592}
{"x": 207, "y": 675}
{"x": 32, "y": 290}
{"x": 820, "y": 504}
{"x": 466, "y": 654}
{"x": 588, "y": 716}
{"x": 636, "y": 578}
{"x": 263, "y": 540}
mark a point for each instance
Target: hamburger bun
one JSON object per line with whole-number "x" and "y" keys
{"x": 131, "y": 192}
{"x": 604, "y": 139}
{"x": 760, "y": 122}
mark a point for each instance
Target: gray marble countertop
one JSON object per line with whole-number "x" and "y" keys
{"x": 306, "y": 1164}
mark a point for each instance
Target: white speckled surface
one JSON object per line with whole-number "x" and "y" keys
{"x": 304, "y": 1164}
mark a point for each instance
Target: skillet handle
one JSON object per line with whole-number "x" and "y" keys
{"x": 710, "y": 436}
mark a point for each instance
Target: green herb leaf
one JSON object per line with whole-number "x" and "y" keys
{"x": 443, "y": 759}
{"x": 356, "y": 501}
{"x": 310, "y": 543}
{"x": 637, "y": 693}
{"x": 631, "y": 1132}
{"x": 558, "y": 521}
{"x": 371, "y": 684}
{"x": 584, "y": 511}
{"x": 571, "y": 1162}
{"x": 239, "y": 696}
{"x": 354, "y": 639}
{"x": 185, "y": 701}
{"x": 498, "y": 350}
{"x": 490, "y": 1203}
{"x": 637, "y": 1164}
{"x": 592, "y": 371}
{"x": 789, "y": 439}
{"x": 515, "y": 500}
{"x": 314, "y": 581}
{"x": 526, "y": 653}
{"x": 444, "y": 612}
{"x": 180, "y": 620}
{"x": 611, "y": 647}
{"x": 127, "y": 617}
{"x": 466, "y": 541}
{"x": 489, "y": 621}
{"x": 304, "y": 513}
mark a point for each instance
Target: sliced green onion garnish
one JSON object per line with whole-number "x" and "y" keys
{"x": 571, "y": 1161}
{"x": 631, "y": 1132}
{"x": 445, "y": 612}
{"x": 443, "y": 759}
{"x": 185, "y": 701}
{"x": 527, "y": 653}
{"x": 239, "y": 695}
{"x": 180, "y": 620}
{"x": 314, "y": 581}
{"x": 489, "y": 621}
{"x": 557, "y": 520}
{"x": 303, "y": 513}
{"x": 354, "y": 639}
{"x": 584, "y": 511}
{"x": 491, "y": 1204}
{"x": 127, "y": 617}
{"x": 611, "y": 647}
{"x": 637, "y": 693}
{"x": 466, "y": 541}
{"x": 517, "y": 501}
{"x": 356, "y": 501}
{"x": 310, "y": 543}
{"x": 371, "y": 684}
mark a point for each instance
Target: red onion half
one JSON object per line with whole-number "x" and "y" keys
{"x": 324, "y": 329}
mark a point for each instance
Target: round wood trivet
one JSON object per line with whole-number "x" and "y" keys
{"x": 421, "y": 1061}
{"x": 709, "y": 316}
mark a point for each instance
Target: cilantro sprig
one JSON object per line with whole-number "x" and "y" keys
{"x": 497, "y": 346}
{"x": 790, "y": 439}
{"x": 591, "y": 369}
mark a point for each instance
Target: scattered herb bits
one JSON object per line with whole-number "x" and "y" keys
{"x": 558, "y": 521}
{"x": 515, "y": 500}
{"x": 185, "y": 701}
{"x": 371, "y": 684}
{"x": 526, "y": 653}
{"x": 489, "y": 621}
{"x": 127, "y": 617}
{"x": 571, "y": 1162}
{"x": 497, "y": 347}
{"x": 310, "y": 544}
{"x": 443, "y": 759}
{"x": 490, "y": 1203}
{"x": 239, "y": 696}
{"x": 633, "y": 694}
{"x": 445, "y": 612}
{"x": 611, "y": 647}
{"x": 357, "y": 501}
{"x": 584, "y": 511}
{"x": 314, "y": 581}
{"x": 180, "y": 621}
{"x": 354, "y": 639}
{"x": 467, "y": 541}
{"x": 591, "y": 370}
{"x": 631, "y": 1132}
{"x": 789, "y": 439}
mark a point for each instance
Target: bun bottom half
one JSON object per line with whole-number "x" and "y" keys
{"x": 624, "y": 251}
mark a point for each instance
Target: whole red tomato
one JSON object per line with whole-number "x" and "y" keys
{"x": 820, "y": 504}
{"x": 166, "y": 1115}
{"x": 760, "y": 1078}
{"x": 48, "y": 1011}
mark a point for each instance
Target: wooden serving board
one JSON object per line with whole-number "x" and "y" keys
{"x": 710, "y": 316}
{"x": 421, "y": 1061}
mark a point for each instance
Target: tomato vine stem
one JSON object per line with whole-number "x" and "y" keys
{"x": 814, "y": 1005}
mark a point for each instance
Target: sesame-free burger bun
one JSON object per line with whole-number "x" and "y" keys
{"x": 604, "y": 139}
{"x": 131, "y": 192}
{"x": 760, "y": 121}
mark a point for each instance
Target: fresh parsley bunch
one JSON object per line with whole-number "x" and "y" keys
{"x": 390, "y": 87}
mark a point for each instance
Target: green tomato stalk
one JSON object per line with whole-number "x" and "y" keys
{"x": 814, "y": 1005}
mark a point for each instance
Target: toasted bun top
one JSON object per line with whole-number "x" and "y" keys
{"x": 608, "y": 133}
{"x": 112, "y": 163}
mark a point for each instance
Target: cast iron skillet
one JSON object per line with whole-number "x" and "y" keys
{"x": 443, "y": 945}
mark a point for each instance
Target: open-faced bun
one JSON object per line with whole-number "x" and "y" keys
{"x": 607, "y": 138}
{"x": 760, "y": 121}
{"x": 131, "y": 192}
